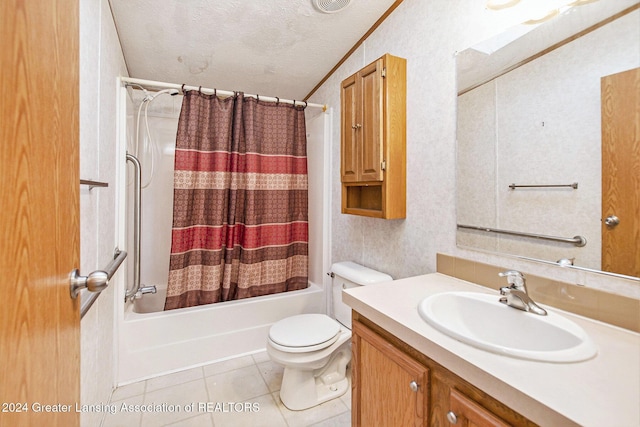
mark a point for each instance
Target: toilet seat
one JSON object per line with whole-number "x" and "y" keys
{"x": 304, "y": 333}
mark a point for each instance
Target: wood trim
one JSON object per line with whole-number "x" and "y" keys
{"x": 355, "y": 46}
{"x": 555, "y": 46}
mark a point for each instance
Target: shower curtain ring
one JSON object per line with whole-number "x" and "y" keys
{"x": 305, "y": 104}
{"x": 200, "y": 90}
{"x": 182, "y": 88}
{"x": 277, "y": 101}
{"x": 258, "y": 98}
{"x": 215, "y": 92}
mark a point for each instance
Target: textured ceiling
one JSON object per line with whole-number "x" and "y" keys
{"x": 276, "y": 48}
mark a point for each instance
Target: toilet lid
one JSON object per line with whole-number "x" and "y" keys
{"x": 304, "y": 330}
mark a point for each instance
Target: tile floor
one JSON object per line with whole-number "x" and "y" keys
{"x": 237, "y": 392}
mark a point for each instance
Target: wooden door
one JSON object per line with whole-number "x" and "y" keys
{"x": 349, "y": 170}
{"x": 371, "y": 133}
{"x": 621, "y": 172}
{"x": 39, "y": 225}
{"x": 467, "y": 413}
{"x": 389, "y": 387}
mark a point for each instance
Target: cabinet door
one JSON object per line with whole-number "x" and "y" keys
{"x": 349, "y": 147}
{"x": 389, "y": 387}
{"x": 372, "y": 126}
{"x": 467, "y": 413}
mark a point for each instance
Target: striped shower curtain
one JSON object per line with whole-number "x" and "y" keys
{"x": 240, "y": 221}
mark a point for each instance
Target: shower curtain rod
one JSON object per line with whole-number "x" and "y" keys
{"x": 162, "y": 85}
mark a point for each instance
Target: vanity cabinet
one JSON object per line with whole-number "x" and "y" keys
{"x": 389, "y": 388}
{"x": 395, "y": 385}
{"x": 373, "y": 140}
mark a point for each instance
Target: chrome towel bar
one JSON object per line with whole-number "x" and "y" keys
{"x": 576, "y": 240}
{"x": 92, "y": 184}
{"x": 574, "y": 186}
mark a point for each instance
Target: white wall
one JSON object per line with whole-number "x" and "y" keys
{"x": 427, "y": 34}
{"x": 101, "y": 62}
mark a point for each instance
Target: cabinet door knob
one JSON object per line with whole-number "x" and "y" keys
{"x": 413, "y": 386}
{"x": 451, "y": 416}
{"x": 356, "y": 126}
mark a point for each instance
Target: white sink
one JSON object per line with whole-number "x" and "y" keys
{"x": 482, "y": 321}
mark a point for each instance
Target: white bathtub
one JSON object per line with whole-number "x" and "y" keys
{"x": 156, "y": 343}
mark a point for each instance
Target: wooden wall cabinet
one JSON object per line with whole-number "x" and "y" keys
{"x": 395, "y": 385}
{"x": 373, "y": 140}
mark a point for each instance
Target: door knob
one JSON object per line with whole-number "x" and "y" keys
{"x": 97, "y": 281}
{"x": 452, "y": 418}
{"x": 612, "y": 221}
{"x": 413, "y": 386}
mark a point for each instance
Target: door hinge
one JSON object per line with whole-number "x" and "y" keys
{"x": 384, "y": 72}
{"x": 383, "y": 165}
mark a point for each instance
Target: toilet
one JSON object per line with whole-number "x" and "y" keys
{"x": 315, "y": 349}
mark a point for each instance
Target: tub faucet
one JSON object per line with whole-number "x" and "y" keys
{"x": 515, "y": 295}
{"x": 145, "y": 290}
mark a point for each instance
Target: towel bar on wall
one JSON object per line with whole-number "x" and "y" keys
{"x": 92, "y": 184}
{"x": 573, "y": 185}
{"x": 576, "y": 240}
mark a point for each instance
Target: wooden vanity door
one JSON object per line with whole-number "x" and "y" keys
{"x": 389, "y": 387}
{"x": 621, "y": 172}
{"x": 470, "y": 414}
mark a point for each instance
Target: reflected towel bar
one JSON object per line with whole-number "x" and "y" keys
{"x": 576, "y": 240}
{"x": 574, "y": 186}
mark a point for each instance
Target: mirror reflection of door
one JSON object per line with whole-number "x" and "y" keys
{"x": 621, "y": 172}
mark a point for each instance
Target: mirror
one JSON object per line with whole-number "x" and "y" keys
{"x": 529, "y": 138}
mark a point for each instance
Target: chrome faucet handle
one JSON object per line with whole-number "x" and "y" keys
{"x": 515, "y": 279}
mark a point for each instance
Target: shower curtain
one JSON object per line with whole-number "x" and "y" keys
{"x": 240, "y": 219}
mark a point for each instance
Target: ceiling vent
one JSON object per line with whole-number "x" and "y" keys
{"x": 331, "y": 6}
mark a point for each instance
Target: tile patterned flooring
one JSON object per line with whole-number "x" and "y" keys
{"x": 239, "y": 392}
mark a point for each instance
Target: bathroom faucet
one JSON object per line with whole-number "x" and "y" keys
{"x": 515, "y": 295}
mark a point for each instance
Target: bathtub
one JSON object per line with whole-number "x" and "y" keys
{"x": 158, "y": 342}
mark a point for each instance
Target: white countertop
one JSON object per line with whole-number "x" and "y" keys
{"x": 603, "y": 391}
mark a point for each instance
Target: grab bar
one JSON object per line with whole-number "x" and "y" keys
{"x": 95, "y": 282}
{"x": 573, "y": 185}
{"x": 576, "y": 240}
{"x": 136, "y": 226}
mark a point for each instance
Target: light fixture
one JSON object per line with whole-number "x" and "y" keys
{"x": 535, "y": 21}
{"x": 331, "y": 6}
{"x": 536, "y": 11}
{"x": 501, "y": 4}
{"x": 581, "y": 2}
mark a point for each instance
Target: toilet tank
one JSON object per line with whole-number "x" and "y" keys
{"x": 348, "y": 274}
